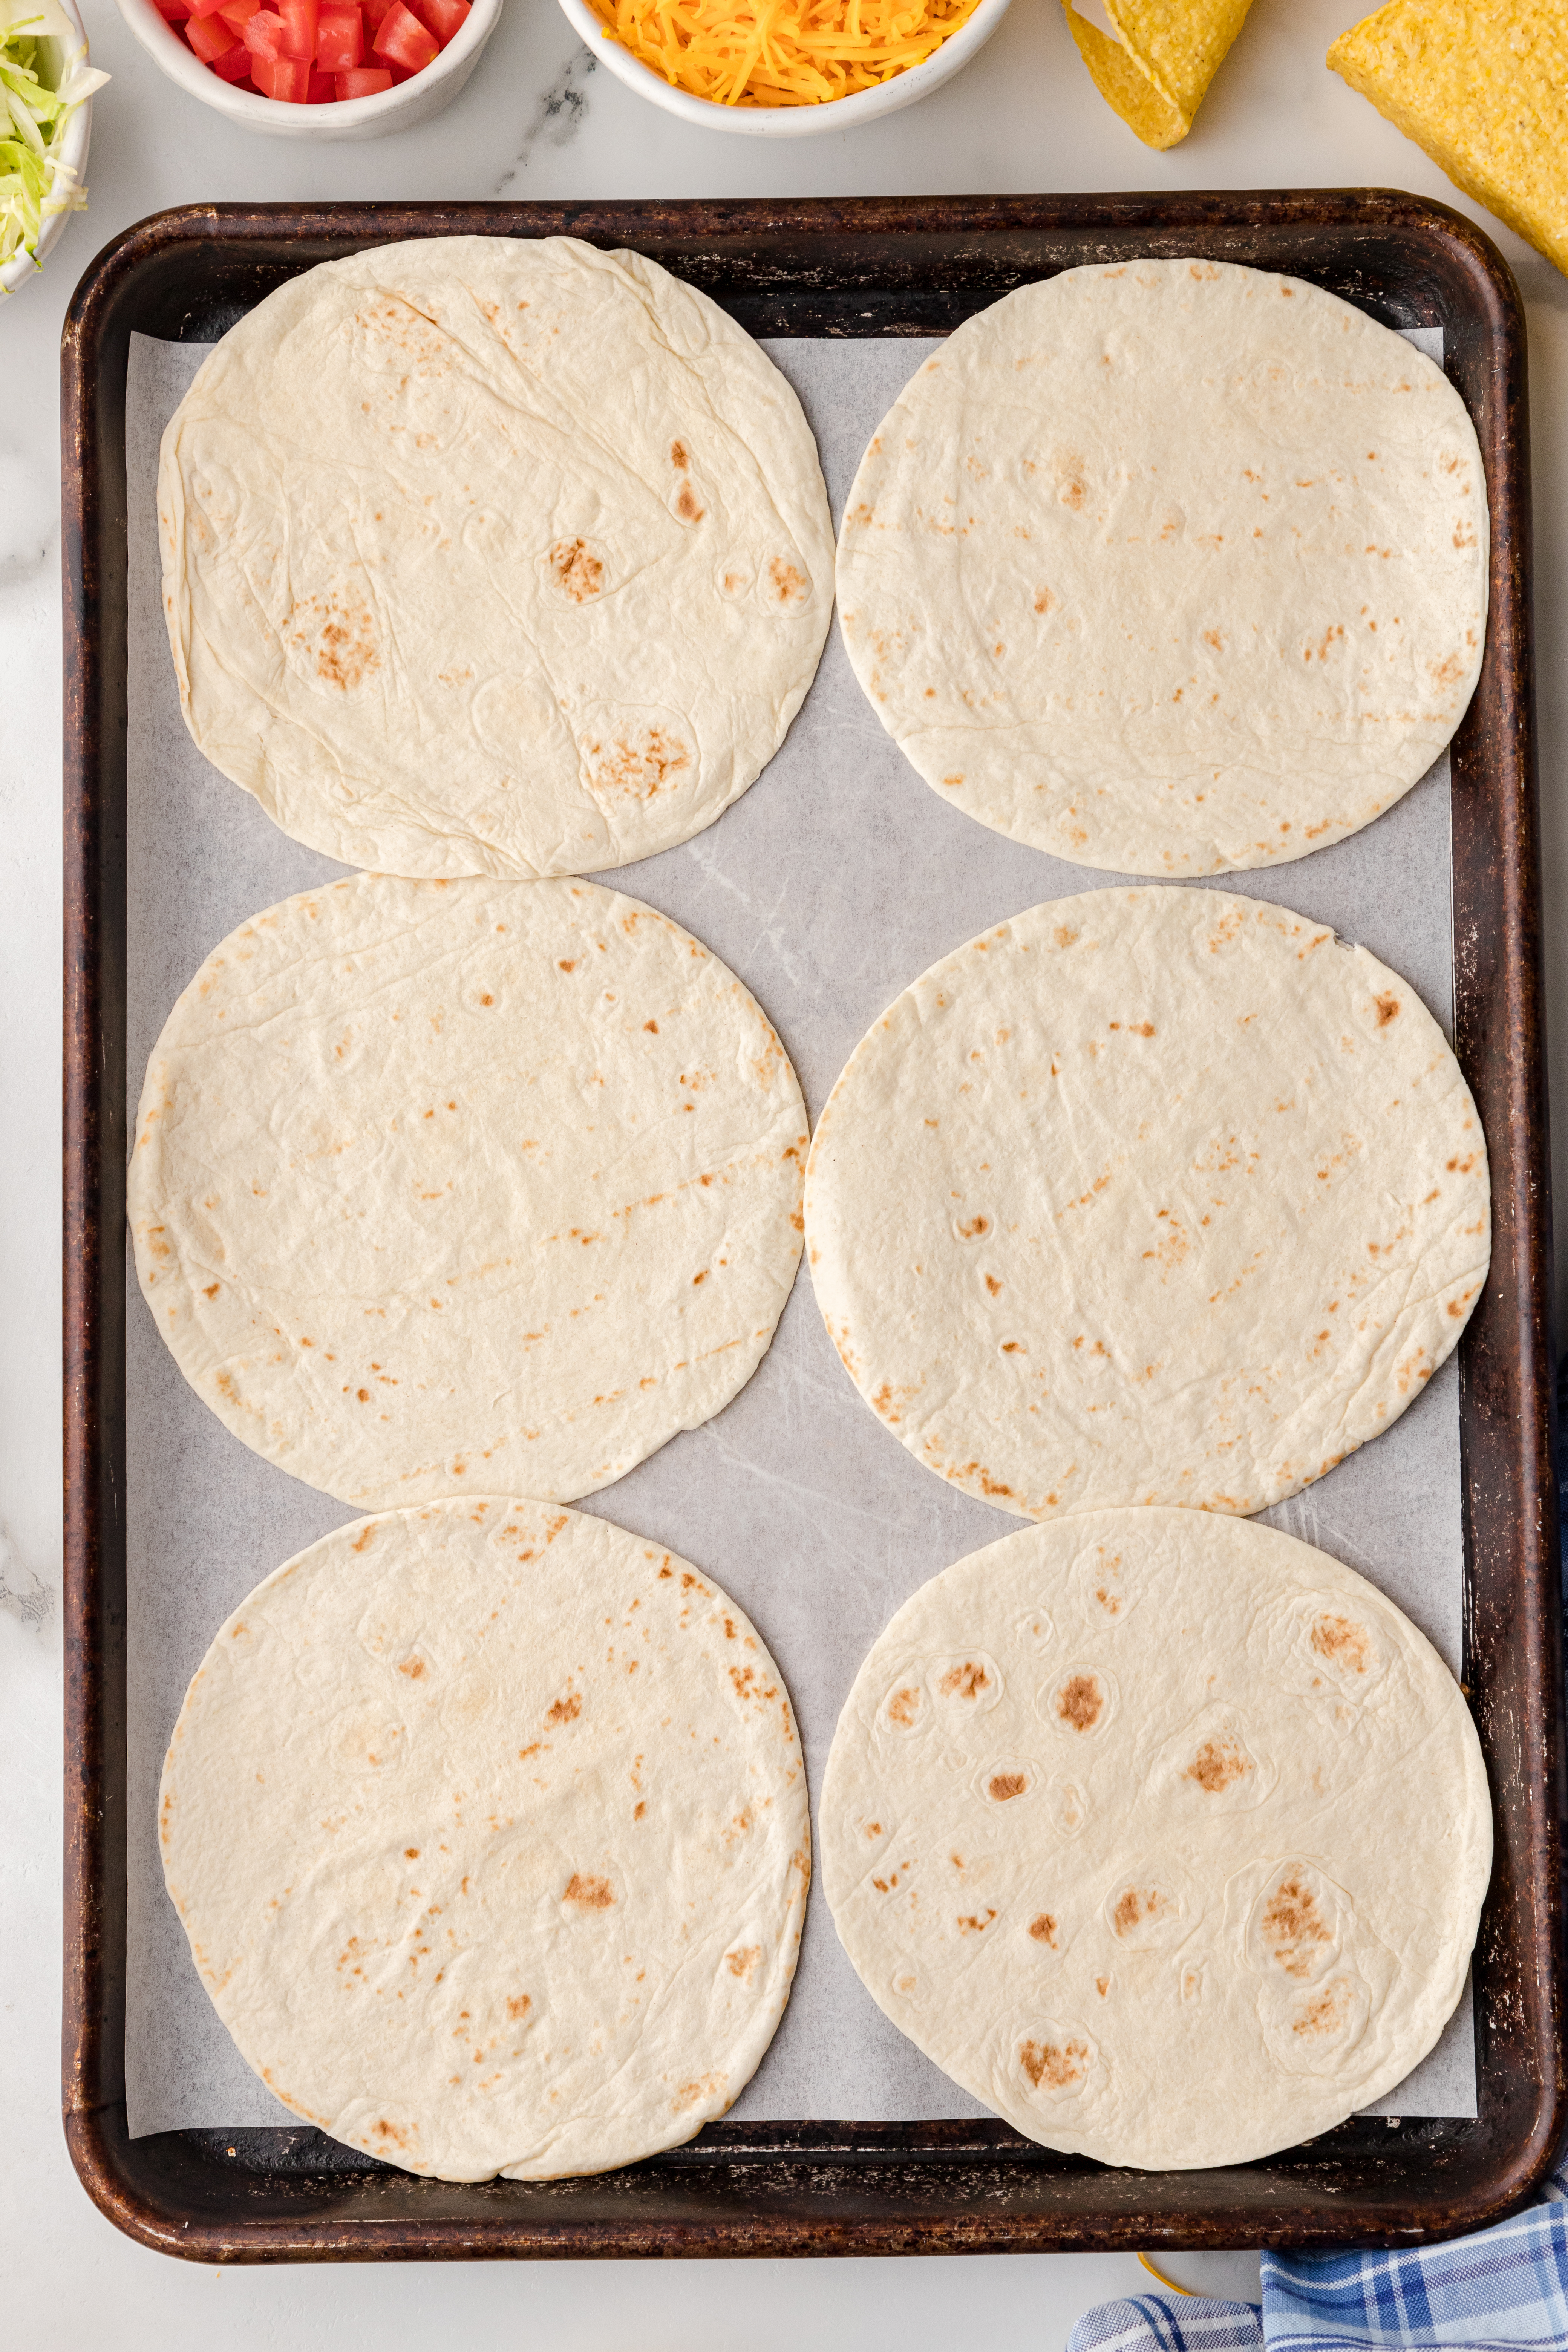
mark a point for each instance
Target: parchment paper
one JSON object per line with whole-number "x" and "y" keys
{"x": 836, "y": 880}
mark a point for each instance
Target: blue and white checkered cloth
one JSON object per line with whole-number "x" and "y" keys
{"x": 1505, "y": 2286}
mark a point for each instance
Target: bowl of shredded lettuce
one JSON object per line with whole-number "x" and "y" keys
{"x": 46, "y": 117}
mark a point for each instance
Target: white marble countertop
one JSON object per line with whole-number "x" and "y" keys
{"x": 538, "y": 121}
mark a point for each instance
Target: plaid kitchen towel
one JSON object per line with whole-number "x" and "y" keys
{"x": 1504, "y": 2287}
{"x": 1143, "y": 2323}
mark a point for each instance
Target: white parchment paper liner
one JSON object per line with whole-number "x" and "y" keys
{"x": 835, "y": 881}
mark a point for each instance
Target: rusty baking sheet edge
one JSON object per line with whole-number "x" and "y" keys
{"x": 880, "y": 266}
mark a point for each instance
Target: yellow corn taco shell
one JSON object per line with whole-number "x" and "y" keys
{"x": 1168, "y": 53}
{"x": 1482, "y": 86}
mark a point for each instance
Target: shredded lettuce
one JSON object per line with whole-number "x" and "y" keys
{"x": 35, "y": 180}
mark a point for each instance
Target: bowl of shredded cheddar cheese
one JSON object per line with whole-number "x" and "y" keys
{"x": 784, "y": 68}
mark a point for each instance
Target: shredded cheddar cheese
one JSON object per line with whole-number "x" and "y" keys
{"x": 781, "y": 52}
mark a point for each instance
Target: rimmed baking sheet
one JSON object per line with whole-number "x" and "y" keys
{"x": 827, "y": 888}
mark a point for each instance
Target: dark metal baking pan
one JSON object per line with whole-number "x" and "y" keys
{"x": 892, "y": 268}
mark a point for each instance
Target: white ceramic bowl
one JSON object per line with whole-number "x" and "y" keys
{"x": 397, "y": 108}
{"x": 784, "y": 121}
{"x": 73, "y": 151}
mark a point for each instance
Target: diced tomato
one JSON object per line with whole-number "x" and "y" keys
{"x": 210, "y": 40}
{"x": 363, "y": 81}
{"x": 236, "y": 66}
{"x": 261, "y": 35}
{"x": 442, "y": 17}
{"x": 287, "y": 79}
{"x": 401, "y": 74}
{"x": 403, "y": 41}
{"x": 174, "y": 12}
{"x": 321, "y": 90}
{"x": 339, "y": 40}
{"x": 238, "y": 14}
{"x": 298, "y": 35}
{"x": 205, "y": 7}
{"x": 281, "y": 78}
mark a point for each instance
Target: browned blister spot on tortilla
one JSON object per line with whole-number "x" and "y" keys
{"x": 705, "y": 2086}
{"x": 1080, "y": 1702}
{"x": 789, "y": 585}
{"x": 1043, "y": 1928}
{"x": 1292, "y": 1925}
{"x": 742, "y": 1962}
{"x": 1387, "y": 1009}
{"x": 677, "y": 456}
{"x": 687, "y": 507}
{"x": 973, "y": 1923}
{"x": 1326, "y": 2012}
{"x": 1343, "y": 1642}
{"x": 564, "y": 1710}
{"x": 966, "y": 1681}
{"x": 1057, "y": 2065}
{"x": 638, "y": 764}
{"x": 1218, "y": 1765}
{"x": 338, "y": 631}
{"x": 576, "y": 570}
{"x": 903, "y": 1706}
{"x": 519, "y": 2004}
{"x": 587, "y": 1893}
{"x": 1003, "y": 1785}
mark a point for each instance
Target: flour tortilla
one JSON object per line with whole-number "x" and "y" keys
{"x": 490, "y": 555}
{"x": 448, "y": 1184}
{"x": 1170, "y": 568}
{"x": 488, "y": 1825}
{"x": 1148, "y": 1196}
{"x": 1165, "y": 1835}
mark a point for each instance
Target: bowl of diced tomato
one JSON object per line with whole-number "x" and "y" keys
{"x": 317, "y": 68}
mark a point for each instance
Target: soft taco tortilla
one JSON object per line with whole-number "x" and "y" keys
{"x": 465, "y": 1184}
{"x": 1165, "y": 1835}
{"x": 492, "y": 555}
{"x": 1169, "y": 567}
{"x": 1147, "y": 1196}
{"x": 488, "y": 1826}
